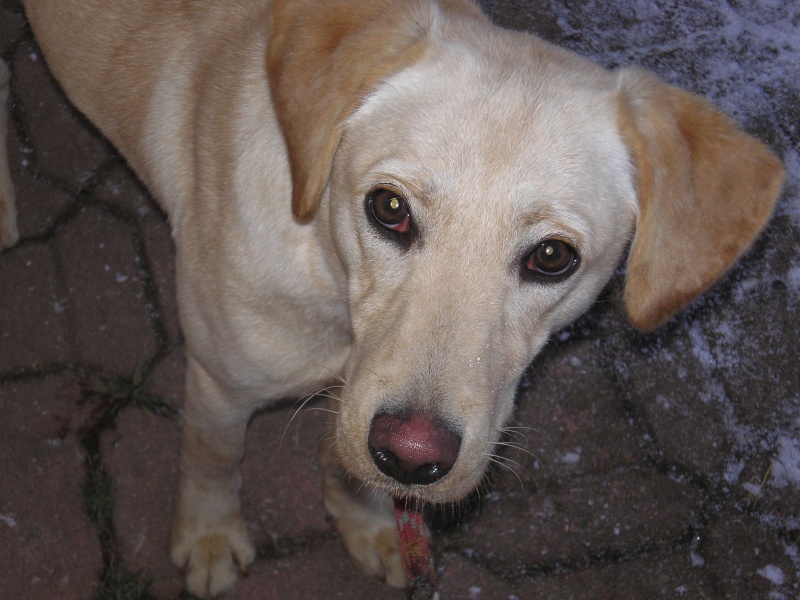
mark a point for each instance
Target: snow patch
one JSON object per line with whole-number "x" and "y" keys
{"x": 786, "y": 466}
{"x": 773, "y": 573}
{"x": 8, "y": 520}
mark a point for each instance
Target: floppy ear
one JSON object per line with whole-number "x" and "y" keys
{"x": 323, "y": 59}
{"x": 705, "y": 191}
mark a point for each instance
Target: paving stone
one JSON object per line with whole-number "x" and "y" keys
{"x": 19, "y": 151}
{"x": 65, "y": 149}
{"x": 48, "y": 545}
{"x": 677, "y": 396}
{"x": 160, "y": 254}
{"x": 34, "y": 330}
{"x": 167, "y": 378}
{"x": 748, "y": 561}
{"x": 282, "y": 489}
{"x": 39, "y": 205}
{"x": 572, "y": 418}
{"x": 759, "y": 372}
{"x": 460, "y": 577}
{"x": 12, "y": 26}
{"x": 322, "y": 571}
{"x": 644, "y": 578}
{"x": 141, "y": 455}
{"x": 106, "y": 303}
{"x": 593, "y": 515}
{"x": 121, "y": 188}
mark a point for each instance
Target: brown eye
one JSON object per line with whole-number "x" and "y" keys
{"x": 551, "y": 258}
{"x": 390, "y": 210}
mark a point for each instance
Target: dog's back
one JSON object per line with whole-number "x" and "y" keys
{"x": 121, "y": 62}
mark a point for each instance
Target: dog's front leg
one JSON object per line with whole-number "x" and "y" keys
{"x": 209, "y": 539}
{"x": 364, "y": 518}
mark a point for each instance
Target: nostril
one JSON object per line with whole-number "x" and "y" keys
{"x": 413, "y": 449}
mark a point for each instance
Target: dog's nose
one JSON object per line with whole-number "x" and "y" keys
{"x": 411, "y": 448}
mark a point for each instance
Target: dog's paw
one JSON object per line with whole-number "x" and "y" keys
{"x": 212, "y": 561}
{"x": 374, "y": 545}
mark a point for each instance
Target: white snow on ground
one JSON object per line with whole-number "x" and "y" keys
{"x": 786, "y": 467}
{"x": 773, "y": 573}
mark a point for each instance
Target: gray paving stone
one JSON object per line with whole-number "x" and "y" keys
{"x": 34, "y": 329}
{"x": 106, "y": 302}
{"x": 748, "y": 561}
{"x": 644, "y": 578}
{"x": 618, "y": 514}
{"x": 48, "y": 546}
{"x": 676, "y": 396}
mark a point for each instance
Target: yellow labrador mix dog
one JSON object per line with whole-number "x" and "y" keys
{"x": 399, "y": 196}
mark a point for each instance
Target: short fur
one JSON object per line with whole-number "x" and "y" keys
{"x": 261, "y": 127}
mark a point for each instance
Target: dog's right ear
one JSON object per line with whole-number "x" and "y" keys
{"x": 323, "y": 59}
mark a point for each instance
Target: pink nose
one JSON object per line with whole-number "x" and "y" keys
{"x": 412, "y": 449}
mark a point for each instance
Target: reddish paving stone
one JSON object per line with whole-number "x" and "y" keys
{"x": 586, "y": 516}
{"x": 282, "y": 489}
{"x": 141, "y": 455}
{"x": 39, "y": 205}
{"x": 65, "y": 149}
{"x": 324, "y": 570}
{"x": 160, "y": 255}
{"x": 19, "y": 152}
{"x": 48, "y": 545}
{"x": 121, "y": 188}
{"x": 34, "y": 330}
{"x": 460, "y": 577}
{"x": 106, "y": 302}
{"x": 167, "y": 378}
{"x": 12, "y": 27}
{"x": 572, "y": 418}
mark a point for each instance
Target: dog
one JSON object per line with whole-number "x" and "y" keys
{"x": 397, "y": 197}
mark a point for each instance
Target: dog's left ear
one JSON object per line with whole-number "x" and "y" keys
{"x": 324, "y": 58}
{"x": 705, "y": 191}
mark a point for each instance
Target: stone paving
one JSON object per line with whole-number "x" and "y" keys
{"x": 653, "y": 466}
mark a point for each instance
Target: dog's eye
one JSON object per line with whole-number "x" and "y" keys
{"x": 551, "y": 259}
{"x": 390, "y": 210}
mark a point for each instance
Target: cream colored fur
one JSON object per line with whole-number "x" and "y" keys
{"x": 260, "y": 127}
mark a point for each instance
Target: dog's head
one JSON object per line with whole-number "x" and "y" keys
{"x": 481, "y": 186}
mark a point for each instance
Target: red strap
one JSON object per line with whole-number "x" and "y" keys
{"x": 415, "y": 548}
